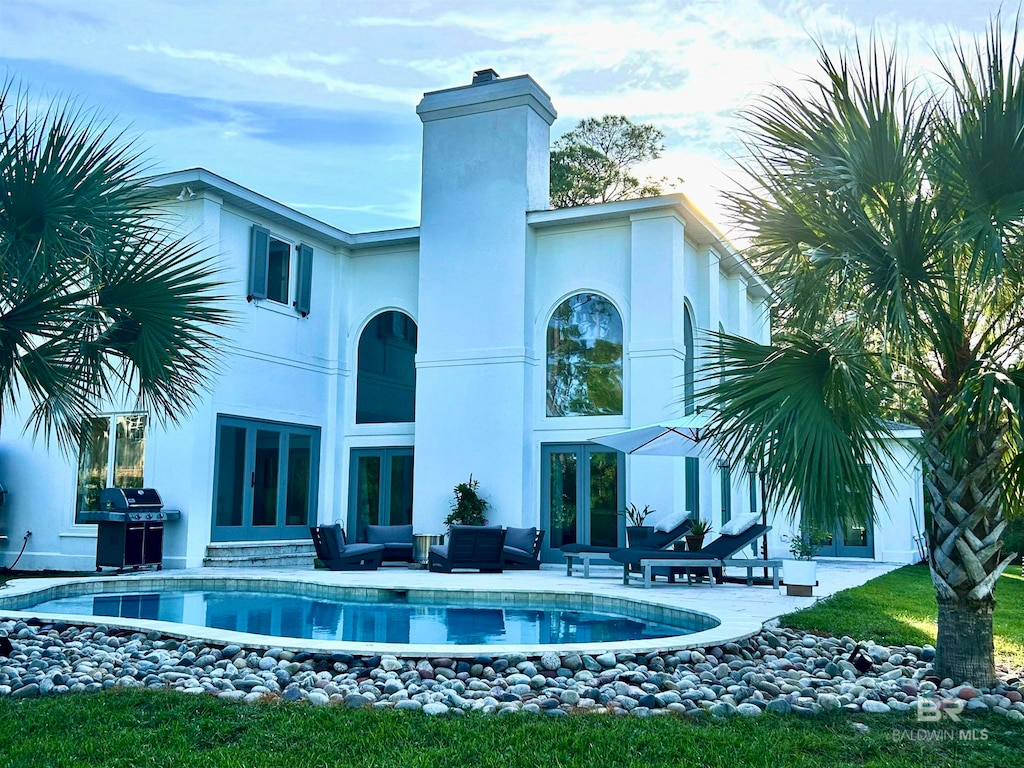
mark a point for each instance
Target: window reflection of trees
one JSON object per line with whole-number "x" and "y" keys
{"x": 584, "y": 365}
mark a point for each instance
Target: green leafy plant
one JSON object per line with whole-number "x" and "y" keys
{"x": 467, "y": 507}
{"x": 700, "y": 527}
{"x": 806, "y": 545}
{"x": 636, "y": 516}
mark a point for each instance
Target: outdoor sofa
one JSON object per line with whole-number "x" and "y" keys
{"x": 469, "y": 547}
{"x": 714, "y": 558}
{"x": 337, "y": 555}
{"x": 397, "y": 541}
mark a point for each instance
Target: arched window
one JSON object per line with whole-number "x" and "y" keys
{"x": 584, "y": 367}
{"x": 386, "y": 370}
{"x": 689, "y": 364}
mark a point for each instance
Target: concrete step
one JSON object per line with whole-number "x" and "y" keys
{"x": 255, "y": 554}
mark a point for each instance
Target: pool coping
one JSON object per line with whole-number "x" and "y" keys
{"x": 730, "y": 629}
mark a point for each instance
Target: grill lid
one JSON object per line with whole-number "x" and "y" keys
{"x": 124, "y": 499}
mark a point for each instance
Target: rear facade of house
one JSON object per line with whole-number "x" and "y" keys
{"x": 369, "y": 373}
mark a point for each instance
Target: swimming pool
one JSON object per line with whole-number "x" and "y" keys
{"x": 390, "y": 618}
{"x": 435, "y": 623}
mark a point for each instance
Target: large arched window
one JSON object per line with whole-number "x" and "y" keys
{"x": 689, "y": 364}
{"x": 386, "y": 380}
{"x": 584, "y": 366}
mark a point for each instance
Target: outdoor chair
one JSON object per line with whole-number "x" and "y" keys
{"x": 397, "y": 541}
{"x": 335, "y": 554}
{"x": 472, "y": 547}
{"x": 585, "y": 553}
{"x": 522, "y": 549}
{"x": 714, "y": 557}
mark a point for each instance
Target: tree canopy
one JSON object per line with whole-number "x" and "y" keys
{"x": 593, "y": 162}
{"x": 98, "y": 300}
{"x": 888, "y": 220}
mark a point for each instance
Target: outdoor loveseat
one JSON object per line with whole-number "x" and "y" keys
{"x": 469, "y": 547}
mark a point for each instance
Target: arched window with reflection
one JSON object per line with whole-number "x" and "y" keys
{"x": 689, "y": 364}
{"x": 584, "y": 358}
{"x": 386, "y": 370}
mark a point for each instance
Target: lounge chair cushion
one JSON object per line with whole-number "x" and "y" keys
{"x": 521, "y": 538}
{"x": 655, "y": 517}
{"x": 517, "y": 551}
{"x": 670, "y": 521}
{"x": 739, "y": 524}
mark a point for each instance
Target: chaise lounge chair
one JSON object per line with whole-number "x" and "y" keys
{"x": 656, "y": 539}
{"x": 397, "y": 541}
{"x": 472, "y": 547}
{"x": 716, "y": 555}
{"x": 522, "y": 549}
{"x": 333, "y": 552}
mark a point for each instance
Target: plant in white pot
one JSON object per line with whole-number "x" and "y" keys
{"x": 801, "y": 573}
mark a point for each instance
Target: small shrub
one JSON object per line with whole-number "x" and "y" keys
{"x": 467, "y": 506}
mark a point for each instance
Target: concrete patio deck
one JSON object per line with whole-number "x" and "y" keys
{"x": 742, "y": 610}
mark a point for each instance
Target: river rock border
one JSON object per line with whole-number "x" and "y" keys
{"x": 777, "y": 670}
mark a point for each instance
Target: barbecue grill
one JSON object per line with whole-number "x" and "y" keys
{"x": 130, "y": 528}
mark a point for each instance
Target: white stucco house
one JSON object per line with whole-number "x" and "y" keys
{"x": 369, "y": 373}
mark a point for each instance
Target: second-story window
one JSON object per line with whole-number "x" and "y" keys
{"x": 279, "y": 258}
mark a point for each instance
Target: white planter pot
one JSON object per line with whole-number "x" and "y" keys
{"x": 800, "y": 572}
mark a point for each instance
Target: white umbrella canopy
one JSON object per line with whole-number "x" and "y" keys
{"x": 687, "y": 436}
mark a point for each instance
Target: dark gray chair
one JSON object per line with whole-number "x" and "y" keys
{"x": 522, "y": 549}
{"x": 397, "y": 541}
{"x": 713, "y": 558}
{"x": 334, "y": 553}
{"x": 471, "y": 547}
{"x": 586, "y": 554}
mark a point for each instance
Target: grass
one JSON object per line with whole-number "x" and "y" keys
{"x": 154, "y": 728}
{"x": 899, "y": 609}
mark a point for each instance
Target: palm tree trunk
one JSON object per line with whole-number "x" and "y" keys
{"x": 965, "y": 554}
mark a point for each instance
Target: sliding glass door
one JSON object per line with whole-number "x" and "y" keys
{"x": 582, "y": 488}
{"x": 380, "y": 489}
{"x": 265, "y": 480}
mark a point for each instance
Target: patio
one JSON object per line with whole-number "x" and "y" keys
{"x": 742, "y": 610}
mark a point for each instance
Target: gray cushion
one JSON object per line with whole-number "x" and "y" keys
{"x": 521, "y": 538}
{"x": 389, "y": 534}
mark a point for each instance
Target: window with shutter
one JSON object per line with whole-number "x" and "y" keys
{"x": 259, "y": 257}
{"x": 305, "y": 283}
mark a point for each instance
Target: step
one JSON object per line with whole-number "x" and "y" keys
{"x": 260, "y": 554}
{"x": 259, "y": 548}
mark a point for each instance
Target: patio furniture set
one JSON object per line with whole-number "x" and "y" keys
{"x": 493, "y": 549}
{"x": 487, "y": 548}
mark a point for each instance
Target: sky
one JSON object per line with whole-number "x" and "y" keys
{"x": 312, "y": 103}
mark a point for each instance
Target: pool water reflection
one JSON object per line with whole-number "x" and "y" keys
{"x": 394, "y": 621}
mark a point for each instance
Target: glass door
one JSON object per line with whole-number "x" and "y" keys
{"x": 265, "y": 480}
{"x": 380, "y": 489}
{"x": 850, "y": 540}
{"x": 582, "y": 491}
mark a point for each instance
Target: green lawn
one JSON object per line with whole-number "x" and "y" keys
{"x": 147, "y": 728}
{"x": 899, "y": 609}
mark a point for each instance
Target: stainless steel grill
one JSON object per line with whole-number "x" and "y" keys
{"x": 130, "y": 528}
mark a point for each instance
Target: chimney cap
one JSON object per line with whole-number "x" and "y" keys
{"x": 484, "y": 76}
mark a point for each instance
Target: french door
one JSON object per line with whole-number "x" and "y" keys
{"x": 379, "y": 490}
{"x": 582, "y": 487}
{"x": 851, "y": 540}
{"x": 266, "y": 480}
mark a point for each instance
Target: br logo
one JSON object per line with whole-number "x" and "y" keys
{"x": 932, "y": 711}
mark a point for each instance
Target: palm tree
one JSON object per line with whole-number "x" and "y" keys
{"x": 887, "y": 219}
{"x": 98, "y": 301}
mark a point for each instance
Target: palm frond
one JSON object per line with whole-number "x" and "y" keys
{"x": 808, "y": 412}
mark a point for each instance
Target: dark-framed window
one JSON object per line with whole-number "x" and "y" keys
{"x": 112, "y": 453}
{"x": 386, "y": 370}
{"x": 584, "y": 358}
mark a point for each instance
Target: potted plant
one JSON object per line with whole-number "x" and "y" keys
{"x": 801, "y": 573}
{"x": 636, "y": 531}
{"x": 699, "y": 528}
{"x": 467, "y": 507}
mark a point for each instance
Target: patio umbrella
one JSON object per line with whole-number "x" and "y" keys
{"x": 687, "y": 436}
